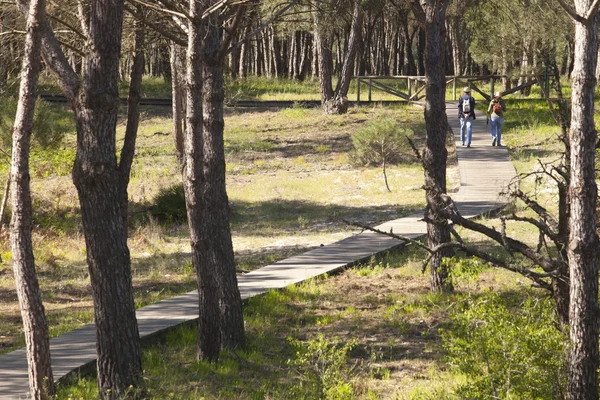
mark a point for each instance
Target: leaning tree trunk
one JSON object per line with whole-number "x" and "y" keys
{"x": 343, "y": 85}
{"x": 583, "y": 240}
{"x": 133, "y": 118}
{"x": 336, "y": 102}
{"x": 324, "y": 62}
{"x": 431, "y": 17}
{"x": 41, "y": 381}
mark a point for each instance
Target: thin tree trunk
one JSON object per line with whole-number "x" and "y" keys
{"x": 337, "y": 102}
{"x": 178, "y": 106}
{"x": 41, "y": 381}
{"x": 583, "y": 240}
{"x": 133, "y": 117}
{"x": 431, "y": 18}
{"x": 4, "y": 201}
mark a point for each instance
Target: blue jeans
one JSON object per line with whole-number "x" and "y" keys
{"x": 496, "y": 128}
{"x": 468, "y": 124}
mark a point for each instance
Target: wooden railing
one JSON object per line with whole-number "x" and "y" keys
{"x": 415, "y": 85}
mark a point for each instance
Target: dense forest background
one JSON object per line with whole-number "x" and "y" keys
{"x": 277, "y": 40}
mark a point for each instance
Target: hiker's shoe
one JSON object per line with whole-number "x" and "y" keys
{"x": 468, "y": 145}
{"x": 494, "y": 142}
{"x": 463, "y": 143}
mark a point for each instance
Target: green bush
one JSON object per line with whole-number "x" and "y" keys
{"x": 323, "y": 368}
{"x": 507, "y": 350}
{"x": 382, "y": 141}
{"x": 169, "y": 204}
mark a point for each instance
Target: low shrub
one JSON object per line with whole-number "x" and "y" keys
{"x": 382, "y": 141}
{"x": 507, "y": 349}
{"x": 323, "y": 368}
{"x": 169, "y": 205}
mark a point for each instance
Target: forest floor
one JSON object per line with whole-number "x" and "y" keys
{"x": 373, "y": 331}
{"x": 290, "y": 182}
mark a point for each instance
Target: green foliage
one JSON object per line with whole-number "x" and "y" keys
{"x": 382, "y": 141}
{"x": 322, "y": 366}
{"x": 50, "y": 123}
{"x": 467, "y": 268}
{"x": 169, "y": 204}
{"x": 497, "y": 36}
{"x": 507, "y": 349}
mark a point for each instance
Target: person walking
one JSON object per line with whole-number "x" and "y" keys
{"x": 466, "y": 115}
{"x": 496, "y": 111}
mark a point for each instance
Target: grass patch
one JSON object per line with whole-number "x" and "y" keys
{"x": 289, "y": 181}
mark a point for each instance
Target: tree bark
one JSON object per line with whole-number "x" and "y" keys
{"x": 221, "y": 321}
{"x": 178, "y": 102}
{"x": 217, "y": 254}
{"x": 133, "y": 118}
{"x": 95, "y": 174}
{"x": 431, "y": 17}
{"x": 97, "y": 179}
{"x": 4, "y": 201}
{"x": 336, "y": 102}
{"x": 583, "y": 241}
{"x": 41, "y": 381}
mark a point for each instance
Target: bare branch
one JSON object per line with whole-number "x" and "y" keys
{"x": 156, "y": 27}
{"x": 231, "y": 31}
{"x": 71, "y": 27}
{"x": 535, "y": 206}
{"x": 535, "y": 276}
{"x": 55, "y": 58}
{"x": 263, "y": 26}
{"x": 160, "y": 9}
{"x": 414, "y": 149}
{"x": 592, "y": 10}
{"x": 83, "y": 21}
{"x": 511, "y": 245}
{"x": 390, "y": 234}
{"x": 542, "y": 227}
{"x": 572, "y": 13}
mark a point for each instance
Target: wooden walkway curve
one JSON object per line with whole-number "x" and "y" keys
{"x": 484, "y": 172}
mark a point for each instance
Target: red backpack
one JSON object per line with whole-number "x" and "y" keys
{"x": 497, "y": 108}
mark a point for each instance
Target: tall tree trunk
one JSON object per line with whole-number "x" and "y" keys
{"x": 216, "y": 245}
{"x": 221, "y": 321}
{"x": 421, "y": 44}
{"x": 583, "y": 240}
{"x": 97, "y": 178}
{"x": 431, "y": 16}
{"x": 411, "y": 67}
{"x": 324, "y": 62}
{"x": 41, "y": 381}
{"x": 95, "y": 173}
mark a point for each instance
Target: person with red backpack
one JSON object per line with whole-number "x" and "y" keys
{"x": 496, "y": 111}
{"x": 466, "y": 116}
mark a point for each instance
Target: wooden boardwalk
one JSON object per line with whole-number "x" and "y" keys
{"x": 484, "y": 173}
